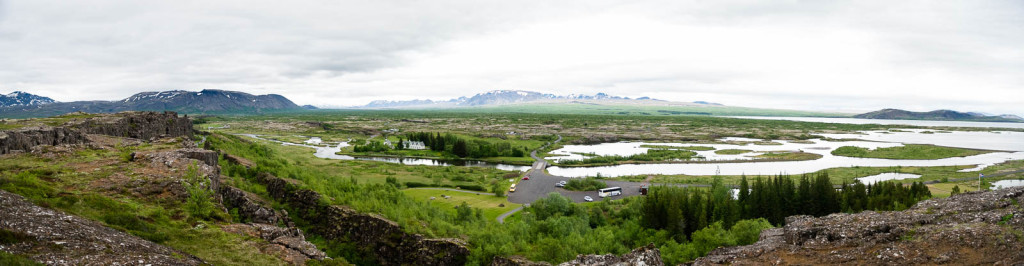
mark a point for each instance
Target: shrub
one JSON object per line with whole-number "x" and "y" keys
{"x": 416, "y": 184}
{"x": 125, "y": 152}
{"x": 498, "y": 188}
{"x": 198, "y": 203}
{"x": 473, "y": 188}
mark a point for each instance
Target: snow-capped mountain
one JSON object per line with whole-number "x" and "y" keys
{"x": 19, "y": 98}
{"x": 499, "y": 97}
{"x": 195, "y": 102}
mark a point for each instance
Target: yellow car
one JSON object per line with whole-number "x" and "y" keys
{"x": 512, "y": 188}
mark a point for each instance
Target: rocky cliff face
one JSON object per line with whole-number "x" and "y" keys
{"x": 56, "y": 238}
{"x": 249, "y": 207}
{"x": 287, "y": 243}
{"x": 139, "y": 125}
{"x": 971, "y": 228}
{"x": 380, "y": 237}
{"x": 26, "y": 138}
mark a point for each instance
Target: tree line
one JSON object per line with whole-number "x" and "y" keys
{"x": 462, "y": 147}
{"x": 682, "y": 211}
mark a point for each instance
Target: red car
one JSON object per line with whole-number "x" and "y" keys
{"x": 526, "y": 178}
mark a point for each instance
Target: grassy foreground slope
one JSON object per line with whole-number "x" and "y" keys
{"x": 94, "y": 183}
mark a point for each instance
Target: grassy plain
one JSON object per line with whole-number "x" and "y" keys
{"x": 491, "y": 205}
{"x": 908, "y": 152}
{"x": 732, "y": 151}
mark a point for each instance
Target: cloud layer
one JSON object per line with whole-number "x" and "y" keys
{"x": 822, "y": 55}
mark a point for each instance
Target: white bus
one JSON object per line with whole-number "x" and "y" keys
{"x": 609, "y": 192}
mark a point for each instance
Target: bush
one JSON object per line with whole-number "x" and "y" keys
{"x": 198, "y": 203}
{"x": 416, "y": 184}
{"x": 125, "y": 152}
{"x": 498, "y": 188}
{"x": 392, "y": 181}
{"x": 473, "y": 188}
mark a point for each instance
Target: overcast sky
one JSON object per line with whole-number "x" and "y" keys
{"x": 813, "y": 55}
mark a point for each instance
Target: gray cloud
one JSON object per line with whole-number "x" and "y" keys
{"x": 855, "y": 55}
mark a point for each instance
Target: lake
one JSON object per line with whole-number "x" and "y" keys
{"x": 1011, "y": 143}
{"x": 861, "y": 121}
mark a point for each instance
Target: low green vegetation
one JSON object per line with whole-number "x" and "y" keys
{"x": 199, "y": 203}
{"x": 15, "y": 260}
{"x": 54, "y": 184}
{"x": 689, "y": 148}
{"x": 584, "y": 184}
{"x": 909, "y": 151}
{"x": 789, "y": 156}
{"x": 652, "y": 155}
{"x": 732, "y": 151}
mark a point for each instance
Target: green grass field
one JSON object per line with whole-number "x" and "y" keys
{"x": 488, "y": 203}
{"x": 909, "y": 151}
{"x": 732, "y": 151}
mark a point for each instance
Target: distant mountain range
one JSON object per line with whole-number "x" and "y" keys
{"x": 938, "y": 115}
{"x": 19, "y": 98}
{"x": 503, "y": 97}
{"x": 201, "y": 102}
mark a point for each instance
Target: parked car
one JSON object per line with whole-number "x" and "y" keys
{"x": 526, "y": 178}
{"x": 560, "y": 184}
{"x": 588, "y": 198}
{"x": 512, "y": 188}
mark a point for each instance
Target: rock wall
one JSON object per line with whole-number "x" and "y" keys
{"x": 249, "y": 207}
{"x": 970, "y": 228}
{"x": 56, "y": 238}
{"x": 380, "y": 237}
{"x": 26, "y": 138}
{"x": 287, "y": 243}
{"x": 139, "y": 125}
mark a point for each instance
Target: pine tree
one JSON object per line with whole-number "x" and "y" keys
{"x": 744, "y": 197}
{"x": 459, "y": 149}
